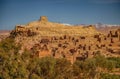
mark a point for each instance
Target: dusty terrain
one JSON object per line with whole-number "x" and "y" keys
{"x": 46, "y": 38}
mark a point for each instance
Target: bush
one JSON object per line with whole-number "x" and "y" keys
{"x": 116, "y": 60}
{"x": 87, "y": 68}
{"x": 109, "y": 76}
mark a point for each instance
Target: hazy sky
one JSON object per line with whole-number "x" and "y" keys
{"x": 14, "y": 12}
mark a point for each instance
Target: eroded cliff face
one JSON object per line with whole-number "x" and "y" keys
{"x": 46, "y": 38}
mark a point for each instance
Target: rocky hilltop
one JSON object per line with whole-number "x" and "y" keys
{"x": 43, "y": 27}
{"x": 44, "y": 38}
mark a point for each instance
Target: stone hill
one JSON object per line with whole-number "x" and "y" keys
{"x": 43, "y": 27}
{"x": 44, "y": 38}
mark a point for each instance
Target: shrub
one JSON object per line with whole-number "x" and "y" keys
{"x": 109, "y": 76}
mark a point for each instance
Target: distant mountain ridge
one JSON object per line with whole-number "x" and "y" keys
{"x": 5, "y": 31}
{"x": 105, "y": 28}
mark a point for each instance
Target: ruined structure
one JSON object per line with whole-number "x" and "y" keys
{"x": 43, "y": 19}
{"x": 46, "y": 38}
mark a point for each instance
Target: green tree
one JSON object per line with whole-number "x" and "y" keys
{"x": 85, "y": 69}
{"x": 63, "y": 69}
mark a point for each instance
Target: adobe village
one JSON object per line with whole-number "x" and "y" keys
{"x": 44, "y": 38}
